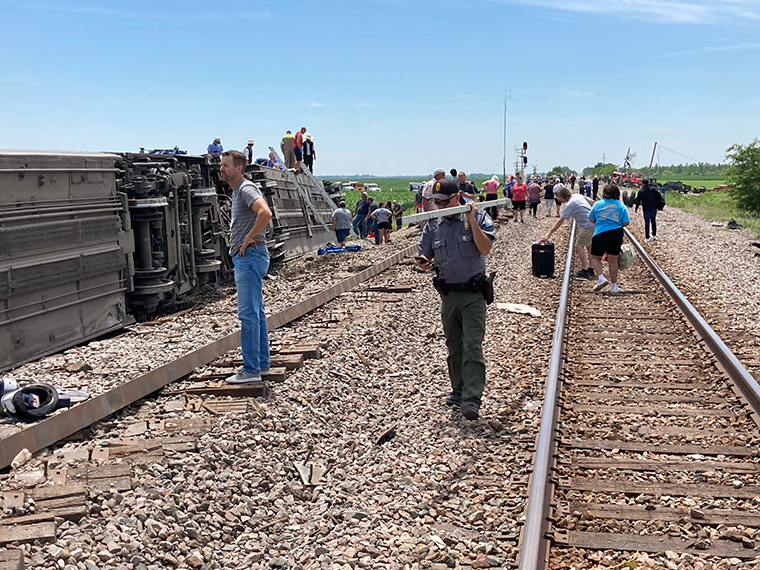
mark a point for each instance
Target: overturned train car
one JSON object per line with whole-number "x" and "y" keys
{"x": 91, "y": 241}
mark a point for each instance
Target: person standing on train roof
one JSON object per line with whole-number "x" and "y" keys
{"x": 250, "y": 256}
{"x": 248, "y": 152}
{"x": 286, "y": 146}
{"x": 215, "y": 149}
{"x": 458, "y": 244}
{"x": 309, "y": 154}
{"x": 298, "y": 147}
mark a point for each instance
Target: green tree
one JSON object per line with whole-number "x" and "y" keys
{"x": 743, "y": 174}
{"x": 560, "y": 170}
{"x": 599, "y": 168}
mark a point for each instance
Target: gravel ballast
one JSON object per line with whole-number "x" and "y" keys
{"x": 442, "y": 493}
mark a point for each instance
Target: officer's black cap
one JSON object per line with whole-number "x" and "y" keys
{"x": 444, "y": 188}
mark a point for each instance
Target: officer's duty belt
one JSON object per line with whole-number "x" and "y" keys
{"x": 461, "y": 287}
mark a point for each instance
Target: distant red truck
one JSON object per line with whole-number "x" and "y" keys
{"x": 627, "y": 178}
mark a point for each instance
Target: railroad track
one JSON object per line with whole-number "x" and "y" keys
{"x": 64, "y": 424}
{"x": 649, "y": 438}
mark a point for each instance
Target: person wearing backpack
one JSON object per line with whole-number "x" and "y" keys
{"x": 650, "y": 199}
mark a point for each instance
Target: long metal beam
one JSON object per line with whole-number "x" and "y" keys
{"x": 533, "y": 550}
{"x": 429, "y": 215}
{"x": 725, "y": 357}
{"x": 63, "y": 424}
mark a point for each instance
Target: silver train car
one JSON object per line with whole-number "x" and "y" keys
{"x": 89, "y": 242}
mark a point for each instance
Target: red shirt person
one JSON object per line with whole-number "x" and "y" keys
{"x": 298, "y": 147}
{"x": 518, "y": 198}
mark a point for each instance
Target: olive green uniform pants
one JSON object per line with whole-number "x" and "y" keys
{"x": 464, "y": 324}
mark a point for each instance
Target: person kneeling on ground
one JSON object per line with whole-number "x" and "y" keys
{"x": 341, "y": 219}
{"x": 610, "y": 216}
{"x": 576, "y": 207}
{"x": 458, "y": 245}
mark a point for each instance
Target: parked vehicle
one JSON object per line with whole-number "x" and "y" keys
{"x": 372, "y": 188}
{"x": 415, "y": 186}
{"x": 718, "y": 188}
{"x": 627, "y": 179}
{"x": 676, "y": 186}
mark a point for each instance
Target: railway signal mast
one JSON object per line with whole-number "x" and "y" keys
{"x": 521, "y": 159}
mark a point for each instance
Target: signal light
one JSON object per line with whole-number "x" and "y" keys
{"x": 525, "y": 146}
{"x": 525, "y": 160}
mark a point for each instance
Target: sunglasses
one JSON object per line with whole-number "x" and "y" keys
{"x": 443, "y": 202}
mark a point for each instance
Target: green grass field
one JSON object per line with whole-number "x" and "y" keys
{"x": 392, "y": 189}
{"x": 718, "y": 206}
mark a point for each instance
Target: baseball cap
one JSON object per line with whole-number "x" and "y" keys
{"x": 445, "y": 188}
{"x": 438, "y": 171}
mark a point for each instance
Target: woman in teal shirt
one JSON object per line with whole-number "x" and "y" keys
{"x": 610, "y": 216}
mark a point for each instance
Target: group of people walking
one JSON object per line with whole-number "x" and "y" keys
{"x": 600, "y": 226}
{"x": 455, "y": 245}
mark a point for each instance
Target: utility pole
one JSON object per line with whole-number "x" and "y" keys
{"x": 649, "y": 170}
{"x": 604, "y": 158}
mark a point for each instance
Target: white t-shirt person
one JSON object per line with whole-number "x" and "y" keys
{"x": 577, "y": 208}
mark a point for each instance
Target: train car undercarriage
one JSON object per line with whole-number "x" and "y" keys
{"x": 91, "y": 241}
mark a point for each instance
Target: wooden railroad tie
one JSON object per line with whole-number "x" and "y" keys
{"x": 50, "y": 502}
{"x": 12, "y": 559}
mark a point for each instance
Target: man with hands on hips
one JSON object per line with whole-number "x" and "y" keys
{"x": 250, "y": 256}
{"x": 457, "y": 245}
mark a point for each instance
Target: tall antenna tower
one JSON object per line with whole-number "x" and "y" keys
{"x": 504, "y": 155}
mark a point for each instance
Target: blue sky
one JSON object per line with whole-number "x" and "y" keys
{"x": 386, "y": 86}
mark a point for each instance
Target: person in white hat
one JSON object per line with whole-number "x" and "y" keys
{"x": 309, "y": 155}
{"x": 427, "y": 189}
{"x": 248, "y": 152}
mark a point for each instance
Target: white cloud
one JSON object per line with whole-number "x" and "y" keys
{"x": 316, "y": 104}
{"x": 668, "y": 11}
{"x": 574, "y": 92}
{"x": 714, "y": 49}
{"x": 114, "y": 13}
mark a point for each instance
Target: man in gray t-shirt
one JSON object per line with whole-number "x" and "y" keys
{"x": 250, "y": 256}
{"x": 576, "y": 208}
{"x": 244, "y": 217}
{"x": 341, "y": 223}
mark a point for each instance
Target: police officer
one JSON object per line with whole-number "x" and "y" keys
{"x": 457, "y": 245}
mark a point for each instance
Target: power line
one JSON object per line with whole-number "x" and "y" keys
{"x": 678, "y": 153}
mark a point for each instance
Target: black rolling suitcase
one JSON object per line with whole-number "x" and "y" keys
{"x": 543, "y": 259}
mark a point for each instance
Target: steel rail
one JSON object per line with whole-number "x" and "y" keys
{"x": 50, "y": 430}
{"x": 735, "y": 370}
{"x": 534, "y": 549}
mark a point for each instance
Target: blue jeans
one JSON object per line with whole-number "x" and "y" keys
{"x": 359, "y": 224}
{"x": 254, "y": 339}
{"x": 650, "y": 217}
{"x": 373, "y": 227}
